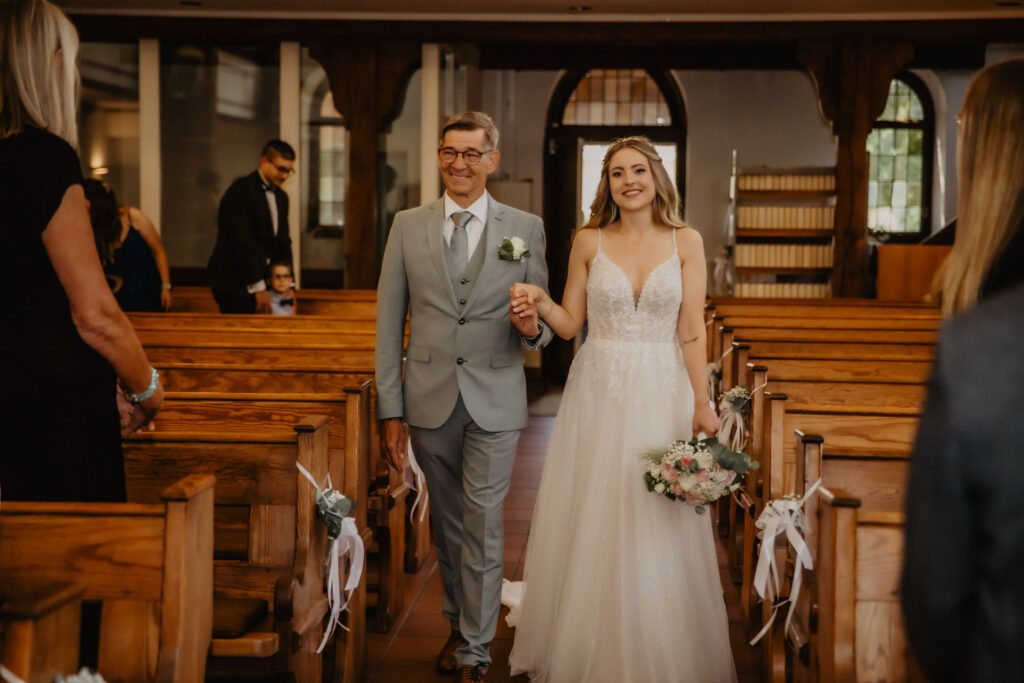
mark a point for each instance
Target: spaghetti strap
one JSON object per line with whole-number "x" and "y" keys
{"x": 598, "y": 240}
{"x": 675, "y": 244}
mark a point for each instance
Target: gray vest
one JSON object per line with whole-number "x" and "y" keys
{"x": 463, "y": 282}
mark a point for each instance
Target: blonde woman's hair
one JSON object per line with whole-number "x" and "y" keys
{"x": 990, "y": 165}
{"x": 38, "y": 71}
{"x": 664, "y": 209}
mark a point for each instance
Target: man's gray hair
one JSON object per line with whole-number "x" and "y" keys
{"x": 473, "y": 120}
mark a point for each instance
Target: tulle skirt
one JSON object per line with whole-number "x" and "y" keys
{"x": 621, "y": 585}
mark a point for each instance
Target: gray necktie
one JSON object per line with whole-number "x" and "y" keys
{"x": 460, "y": 240}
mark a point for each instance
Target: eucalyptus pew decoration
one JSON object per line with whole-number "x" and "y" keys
{"x": 343, "y": 540}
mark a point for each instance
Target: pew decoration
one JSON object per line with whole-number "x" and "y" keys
{"x": 417, "y": 481}
{"x": 781, "y": 517}
{"x": 333, "y": 508}
{"x": 698, "y": 471}
{"x": 734, "y": 413}
{"x": 83, "y": 676}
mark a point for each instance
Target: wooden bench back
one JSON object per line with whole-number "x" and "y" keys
{"x": 317, "y": 324}
{"x": 150, "y": 565}
{"x": 855, "y": 593}
{"x": 310, "y": 301}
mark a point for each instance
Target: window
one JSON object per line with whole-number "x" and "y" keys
{"x": 900, "y": 149}
{"x": 617, "y": 97}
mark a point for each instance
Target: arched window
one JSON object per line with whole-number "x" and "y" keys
{"x": 617, "y": 97}
{"x": 901, "y": 147}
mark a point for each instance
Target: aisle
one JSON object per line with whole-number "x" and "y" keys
{"x": 406, "y": 654}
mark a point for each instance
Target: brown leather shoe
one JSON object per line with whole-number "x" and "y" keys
{"x": 471, "y": 674}
{"x": 446, "y": 659}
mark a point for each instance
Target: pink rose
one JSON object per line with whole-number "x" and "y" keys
{"x": 686, "y": 461}
{"x": 703, "y": 476}
{"x": 668, "y": 472}
{"x": 678, "y": 490}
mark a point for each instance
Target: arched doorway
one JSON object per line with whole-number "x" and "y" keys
{"x": 587, "y": 110}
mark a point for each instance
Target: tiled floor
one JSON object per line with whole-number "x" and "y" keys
{"x": 406, "y": 654}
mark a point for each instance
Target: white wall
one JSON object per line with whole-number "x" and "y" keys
{"x": 770, "y": 117}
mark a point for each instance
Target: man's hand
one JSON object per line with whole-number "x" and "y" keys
{"x": 262, "y": 301}
{"x": 393, "y": 436}
{"x": 522, "y": 311}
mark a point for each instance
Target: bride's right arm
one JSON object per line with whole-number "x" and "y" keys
{"x": 565, "y": 320}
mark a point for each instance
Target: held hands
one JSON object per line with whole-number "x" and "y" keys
{"x": 136, "y": 415}
{"x": 704, "y": 419}
{"x": 523, "y": 309}
{"x": 262, "y": 301}
{"x": 393, "y": 439}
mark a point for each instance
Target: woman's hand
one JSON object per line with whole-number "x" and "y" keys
{"x": 523, "y": 295}
{"x": 705, "y": 421}
{"x": 165, "y": 299}
{"x": 136, "y": 415}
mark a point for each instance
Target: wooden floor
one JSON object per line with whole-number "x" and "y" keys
{"x": 406, "y": 654}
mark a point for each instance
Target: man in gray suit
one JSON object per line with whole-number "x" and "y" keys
{"x": 452, "y": 263}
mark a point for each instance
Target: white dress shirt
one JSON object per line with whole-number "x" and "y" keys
{"x": 272, "y": 205}
{"x": 476, "y": 224}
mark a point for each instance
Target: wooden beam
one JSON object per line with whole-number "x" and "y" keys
{"x": 852, "y": 80}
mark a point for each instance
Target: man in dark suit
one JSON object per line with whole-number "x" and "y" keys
{"x": 252, "y": 232}
{"x": 963, "y": 597}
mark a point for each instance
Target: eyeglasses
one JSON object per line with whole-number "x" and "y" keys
{"x": 470, "y": 156}
{"x": 282, "y": 276}
{"x": 285, "y": 170}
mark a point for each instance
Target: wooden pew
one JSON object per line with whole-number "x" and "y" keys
{"x": 858, "y": 634}
{"x": 39, "y": 628}
{"x": 349, "y": 448}
{"x": 766, "y": 352}
{"x": 722, "y": 326}
{"x": 310, "y": 301}
{"x": 268, "y": 544}
{"x": 350, "y": 323}
{"x": 150, "y": 565}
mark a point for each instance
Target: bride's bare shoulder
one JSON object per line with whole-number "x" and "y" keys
{"x": 690, "y": 242}
{"x": 584, "y": 243}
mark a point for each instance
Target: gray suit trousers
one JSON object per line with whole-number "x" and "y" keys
{"x": 468, "y": 471}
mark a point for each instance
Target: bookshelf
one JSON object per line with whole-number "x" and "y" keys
{"x": 781, "y": 231}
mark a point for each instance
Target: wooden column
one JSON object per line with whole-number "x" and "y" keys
{"x": 852, "y": 80}
{"x": 368, "y": 81}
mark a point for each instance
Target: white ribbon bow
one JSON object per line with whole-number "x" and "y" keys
{"x": 415, "y": 479}
{"x": 781, "y": 516}
{"x": 348, "y": 544}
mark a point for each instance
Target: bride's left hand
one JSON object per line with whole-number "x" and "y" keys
{"x": 704, "y": 420}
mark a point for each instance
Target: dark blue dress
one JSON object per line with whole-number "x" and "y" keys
{"x": 134, "y": 265}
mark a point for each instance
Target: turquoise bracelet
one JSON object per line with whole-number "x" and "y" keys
{"x": 150, "y": 390}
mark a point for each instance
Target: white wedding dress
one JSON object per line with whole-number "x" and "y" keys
{"x": 621, "y": 585}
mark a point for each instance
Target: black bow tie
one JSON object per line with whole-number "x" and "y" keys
{"x": 286, "y": 302}
{"x": 267, "y": 187}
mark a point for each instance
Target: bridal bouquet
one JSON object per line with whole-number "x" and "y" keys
{"x": 698, "y": 471}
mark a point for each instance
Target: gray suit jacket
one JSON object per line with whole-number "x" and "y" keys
{"x": 453, "y": 348}
{"x": 963, "y": 597}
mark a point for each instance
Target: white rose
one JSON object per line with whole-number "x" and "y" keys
{"x": 518, "y": 246}
{"x": 659, "y": 488}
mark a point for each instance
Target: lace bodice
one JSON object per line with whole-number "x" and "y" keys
{"x": 614, "y": 312}
{"x": 631, "y": 339}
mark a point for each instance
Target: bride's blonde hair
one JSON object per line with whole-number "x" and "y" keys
{"x": 664, "y": 209}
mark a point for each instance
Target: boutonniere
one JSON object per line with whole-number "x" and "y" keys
{"x": 513, "y": 249}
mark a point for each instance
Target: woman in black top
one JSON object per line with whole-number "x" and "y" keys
{"x": 64, "y": 342}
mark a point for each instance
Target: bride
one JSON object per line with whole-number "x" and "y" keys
{"x": 621, "y": 584}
